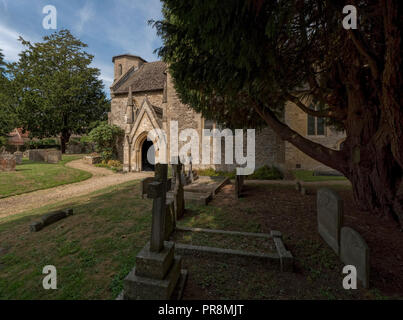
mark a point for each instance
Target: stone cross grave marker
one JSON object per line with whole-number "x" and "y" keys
{"x": 157, "y": 191}
{"x": 330, "y": 217}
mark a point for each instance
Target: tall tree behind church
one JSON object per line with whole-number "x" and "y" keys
{"x": 59, "y": 93}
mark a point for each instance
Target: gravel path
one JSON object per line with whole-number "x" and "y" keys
{"x": 101, "y": 178}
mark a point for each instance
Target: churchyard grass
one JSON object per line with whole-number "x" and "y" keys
{"x": 94, "y": 249}
{"x": 31, "y": 176}
{"x": 307, "y": 176}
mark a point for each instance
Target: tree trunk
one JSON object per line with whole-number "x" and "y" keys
{"x": 376, "y": 177}
{"x": 366, "y": 159}
{"x": 372, "y": 166}
{"x": 64, "y": 139}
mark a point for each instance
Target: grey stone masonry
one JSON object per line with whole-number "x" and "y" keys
{"x": 179, "y": 193}
{"x": 157, "y": 191}
{"x": 49, "y": 219}
{"x": 7, "y": 162}
{"x": 18, "y": 157}
{"x": 157, "y": 270}
{"x": 239, "y": 182}
{"x": 330, "y": 217}
{"x": 144, "y": 185}
{"x": 354, "y": 251}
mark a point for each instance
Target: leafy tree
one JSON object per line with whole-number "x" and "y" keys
{"x": 106, "y": 138}
{"x": 59, "y": 93}
{"x": 7, "y": 112}
{"x": 238, "y": 62}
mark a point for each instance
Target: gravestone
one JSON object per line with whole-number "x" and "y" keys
{"x": 330, "y": 217}
{"x": 18, "y": 157}
{"x": 239, "y": 181}
{"x": 190, "y": 173}
{"x": 50, "y": 218}
{"x": 53, "y": 156}
{"x": 144, "y": 185}
{"x": 178, "y": 192}
{"x": 170, "y": 219}
{"x": 7, "y": 162}
{"x": 45, "y": 155}
{"x": 354, "y": 251}
{"x": 158, "y": 270}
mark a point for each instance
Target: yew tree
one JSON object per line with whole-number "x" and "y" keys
{"x": 238, "y": 62}
{"x": 59, "y": 92}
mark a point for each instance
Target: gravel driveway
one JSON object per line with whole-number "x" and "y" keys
{"x": 101, "y": 178}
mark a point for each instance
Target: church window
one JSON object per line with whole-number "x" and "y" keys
{"x": 316, "y": 125}
{"x": 120, "y": 70}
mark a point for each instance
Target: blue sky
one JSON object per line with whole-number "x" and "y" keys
{"x": 108, "y": 27}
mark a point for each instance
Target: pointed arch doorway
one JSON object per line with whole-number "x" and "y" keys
{"x": 147, "y": 156}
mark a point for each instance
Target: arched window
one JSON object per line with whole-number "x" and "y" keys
{"x": 120, "y": 70}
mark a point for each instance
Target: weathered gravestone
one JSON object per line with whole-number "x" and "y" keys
{"x": 330, "y": 217}
{"x": 50, "y": 218}
{"x": 18, "y": 157}
{"x": 7, "y": 162}
{"x": 45, "y": 155}
{"x": 239, "y": 182}
{"x": 53, "y": 156}
{"x": 170, "y": 218}
{"x": 158, "y": 270}
{"x": 144, "y": 185}
{"x": 178, "y": 190}
{"x": 354, "y": 251}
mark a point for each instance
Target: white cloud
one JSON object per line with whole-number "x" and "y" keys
{"x": 9, "y": 43}
{"x": 85, "y": 14}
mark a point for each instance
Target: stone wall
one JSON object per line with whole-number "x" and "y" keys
{"x": 298, "y": 121}
{"x": 127, "y": 62}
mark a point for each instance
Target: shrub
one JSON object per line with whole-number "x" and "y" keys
{"x": 3, "y": 141}
{"x": 210, "y": 172}
{"x": 114, "y": 163}
{"x": 46, "y": 143}
{"x": 266, "y": 173}
{"x": 106, "y": 139}
{"x": 263, "y": 173}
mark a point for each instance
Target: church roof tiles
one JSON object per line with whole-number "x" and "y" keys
{"x": 149, "y": 77}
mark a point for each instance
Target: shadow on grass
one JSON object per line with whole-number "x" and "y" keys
{"x": 92, "y": 250}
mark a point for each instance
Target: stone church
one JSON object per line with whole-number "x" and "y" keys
{"x": 143, "y": 98}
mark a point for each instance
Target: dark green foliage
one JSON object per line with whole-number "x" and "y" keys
{"x": 262, "y": 173}
{"x": 7, "y": 101}
{"x": 223, "y": 52}
{"x": 45, "y": 143}
{"x": 106, "y": 139}
{"x": 59, "y": 93}
{"x": 266, "y": 173}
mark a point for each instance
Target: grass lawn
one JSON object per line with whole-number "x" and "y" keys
{"x": 94, "y": 249}
{"x": 30, "y": 176}
{"x": 307, "y": 176}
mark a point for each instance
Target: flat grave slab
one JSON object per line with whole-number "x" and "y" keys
{"x": 203, "y": 190}
{"x": 235, "y": 246}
